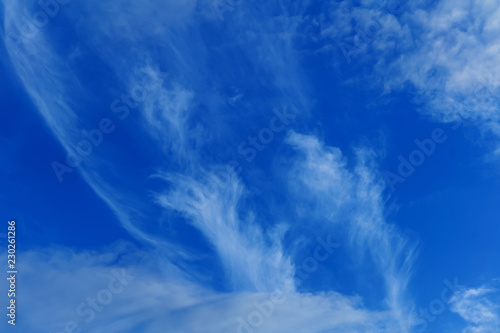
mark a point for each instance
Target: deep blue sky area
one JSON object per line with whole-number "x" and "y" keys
{"x": 69, "y": 210}
{"x": 234, "y": 166}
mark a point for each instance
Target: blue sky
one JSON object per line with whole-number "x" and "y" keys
{"x": 234, "y": 166}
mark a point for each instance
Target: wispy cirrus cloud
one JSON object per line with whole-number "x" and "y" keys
{"x": 349, "y": 200}
{"x": 445, "y": 53}
{"x": 453, "y": 62}
{"x": 255, "y": 261}
{"x": 479, "y": 307}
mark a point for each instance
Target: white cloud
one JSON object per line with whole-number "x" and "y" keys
{"x": 453, "y": 62}
{"x": 57, "y": 91}
{"x": 214, "y": 208}
{"x": 446, "y": 53}
{"x": 349, "y": 200}
{"x": 479, "y": 307}
{"x": 157, "y": 296}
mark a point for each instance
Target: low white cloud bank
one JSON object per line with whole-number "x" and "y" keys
{"x": 126, "y": 289}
